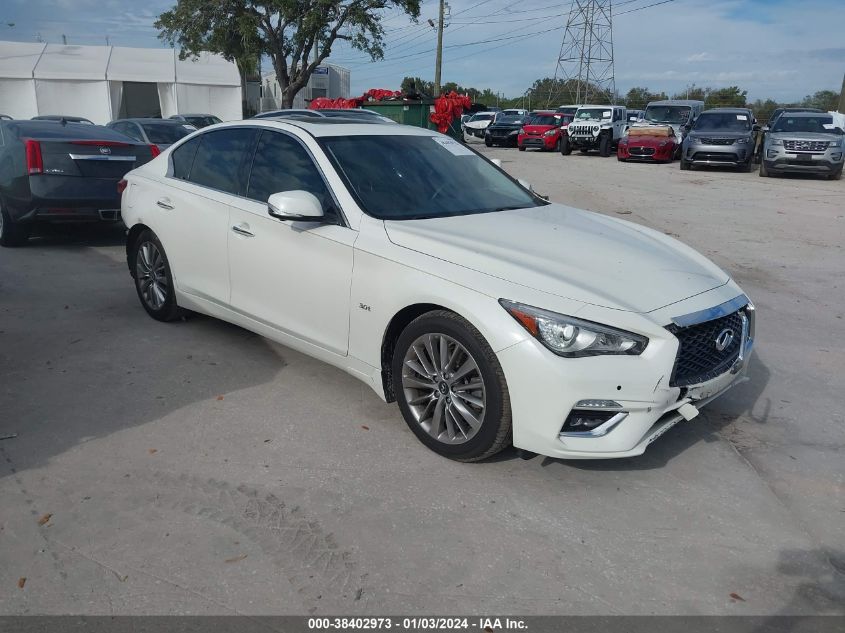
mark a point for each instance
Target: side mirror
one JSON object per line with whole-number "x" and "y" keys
{"x": 295, "y": 205}
{"x": 525, "y": 184}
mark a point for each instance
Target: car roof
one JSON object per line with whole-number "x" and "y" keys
{"x": 146, "y": 120}
{"x": 727, "y": 110}
{"x": 191, "y": 114}
{"x": 686, "y": 102}
{"x": 59, "y": 117}
{"x": 334, "y": 126}
{"x": 598, "y": 105}
{"x": 48, "y": 130}
{"x": 806, "y": 115}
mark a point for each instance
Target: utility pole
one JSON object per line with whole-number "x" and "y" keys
{"x": 586, "y": 52}
{"x": 64, "y": 39}
{"x": 842, "y": 97}
{"x": 439, "y": 61}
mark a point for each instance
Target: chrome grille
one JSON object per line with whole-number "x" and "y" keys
{"x": 805, "y": 146}
{"x": 717, "y": 141}
{"x": 641, "y": 151}
{"x": 698, "y": 359}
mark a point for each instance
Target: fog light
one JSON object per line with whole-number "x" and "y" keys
{"x": 836, "y": 156}
{"x": 586, "y": 420}
{"x": 772, "y": 153}
{"x": 597, "y": 404}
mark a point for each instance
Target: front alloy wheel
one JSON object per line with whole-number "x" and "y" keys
{"x": 451, "y": 388}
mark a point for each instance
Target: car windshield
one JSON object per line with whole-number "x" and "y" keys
{"x": 667, "y": 114}
{"x": 593, "y": 113}
{"x": 786, "y": 123}
{"x": 547, "y": 119}
{"x": 202, "y": 121}
{"x": 723, "y": 121}
{"x": 166, "y": 134}
{"x": 404, "y": 177}
{"x": 482, "y": 117}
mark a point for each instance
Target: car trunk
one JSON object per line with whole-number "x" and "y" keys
{"x": 92, "y": 158}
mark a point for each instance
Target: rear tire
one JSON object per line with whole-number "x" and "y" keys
{"x": 12, "y": 233}
{"x": 153, "y": 278}
{"x": 467, "y": 418}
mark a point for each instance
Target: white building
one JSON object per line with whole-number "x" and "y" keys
{"x": 102, "y": 83}
{"x": 328, "y": 80}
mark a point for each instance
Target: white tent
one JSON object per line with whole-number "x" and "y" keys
{"x": 17, "y": 88}
{"x": 103, "y": 83}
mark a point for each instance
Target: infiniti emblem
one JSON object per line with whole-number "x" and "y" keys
{"x": 105, "y": 150}
{"x": 724, "y": 339}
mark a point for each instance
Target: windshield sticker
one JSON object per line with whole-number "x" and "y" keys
{"x": 452, "y": 146}
{"x": 606, "y": 114}
{"x": 189, "y": 127}
{"x": 741, "y": 117}
{"x": 828, "y": 126}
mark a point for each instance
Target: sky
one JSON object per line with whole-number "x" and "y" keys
{"x": 783, "y": 49}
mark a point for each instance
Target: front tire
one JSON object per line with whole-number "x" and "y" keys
{"x": 604, "y": 146}
{"x": 685, "y": 164}
{"x": 565, "y": 146}
{"x": 451, "y": 388}
{"x": 488, "y": 142}
{"x": 521, "y": 148}
{"x": 153, "y": 278}
{"x": 837, "y": 175}
{"x": 764, "y": 172}
{"x": 12, "y": 233}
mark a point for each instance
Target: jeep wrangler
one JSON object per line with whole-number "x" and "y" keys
{"x": 595, "y": 127}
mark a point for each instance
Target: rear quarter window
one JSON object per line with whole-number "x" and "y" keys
{"x": 183, "y": 158}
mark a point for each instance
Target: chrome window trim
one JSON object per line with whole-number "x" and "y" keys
{"x": 709, "y": 314}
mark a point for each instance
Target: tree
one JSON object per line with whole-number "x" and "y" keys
{"x": 297, "y": 35}
{"x": 638, "y": 98}
{"x": 827, "y": 100}
{"x": 731, "y": 97}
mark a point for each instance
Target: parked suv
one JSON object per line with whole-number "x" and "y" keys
{"x": 595, "y": 127}
{"x": 721, "y": 137}
{"x": 803, "y": 142}
{"x": 674, "y": 112}
{"x": 504, "y": 131}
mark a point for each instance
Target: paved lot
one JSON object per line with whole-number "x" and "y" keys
{"x": 196, "y": 468}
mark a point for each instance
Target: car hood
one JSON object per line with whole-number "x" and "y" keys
{"x": 805, "y": 136}
{"x": 647, "y": 140}
{"x": 477, "y": 125}
{"x": 567, "y": 252}
{"x": 505, "y": 126}
{"x": 538, "y": 129}
{"x": 719, "y": 134}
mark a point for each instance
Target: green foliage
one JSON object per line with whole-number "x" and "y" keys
{"x": 638, "y": 98}
{"x": 827, "y": 100}
{"x": 297, "y": 35}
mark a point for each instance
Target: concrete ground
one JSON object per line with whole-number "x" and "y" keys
{"x": 197, "y": 468}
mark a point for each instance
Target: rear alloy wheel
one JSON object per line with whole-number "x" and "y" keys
{"x": 12, "y": 233}
{"x": 153, "y": 279}
{"x": 450, "y": 388}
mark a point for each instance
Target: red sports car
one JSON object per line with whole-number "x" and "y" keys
{"x": 543, "y": 131}
{"x": 658, "y": 144}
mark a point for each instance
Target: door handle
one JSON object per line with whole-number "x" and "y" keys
{"x": 164, "y": 203}
{"x": 243, "y": 229}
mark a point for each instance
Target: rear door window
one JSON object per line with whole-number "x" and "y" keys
{"x": 220, "y": 158}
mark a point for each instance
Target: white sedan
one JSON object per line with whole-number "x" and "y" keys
{"x": 405, "y": 258}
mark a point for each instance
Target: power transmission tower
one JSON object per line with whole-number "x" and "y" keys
{"x": 586, "y": 52}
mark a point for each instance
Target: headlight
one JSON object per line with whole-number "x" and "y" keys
{"x": 742, "y": 141}
{"x": 835, "y": 144}
{"x": 571, "y": 337}
{"x": 776, "y": 142}
{"x": 522, "y": 130}
{"x": 663, "y": 143}
{"x": 595, "y": 128}
{"x": 549, "y": 132}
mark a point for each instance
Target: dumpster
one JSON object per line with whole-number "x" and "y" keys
{"x": 412, "y": 112}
